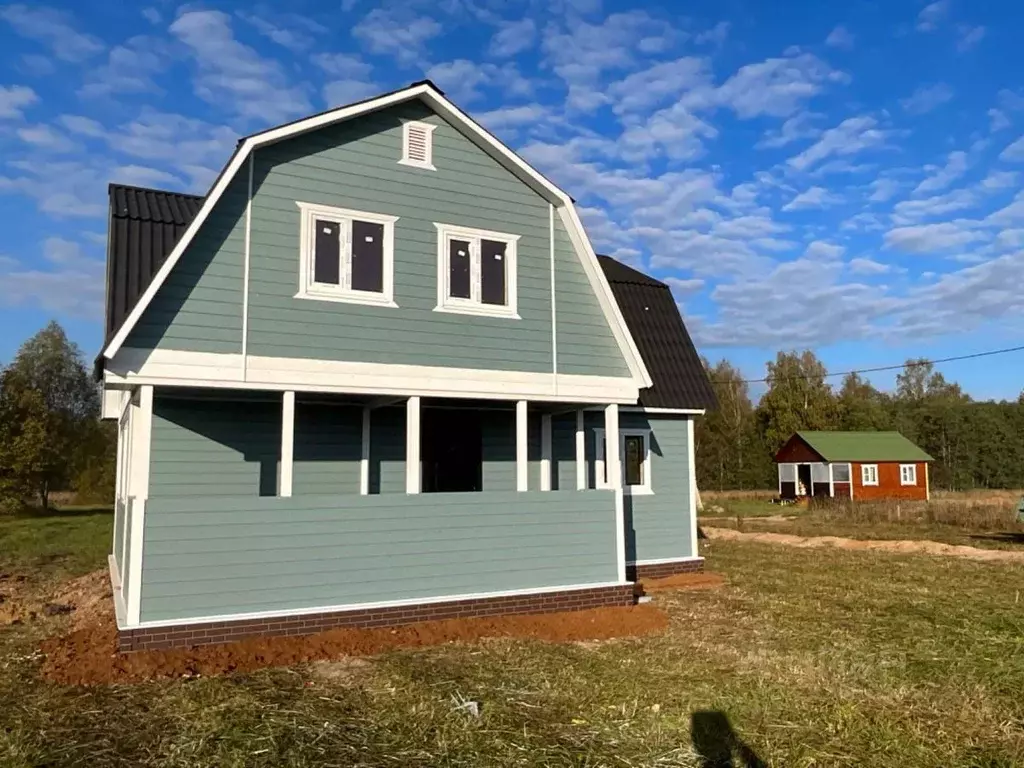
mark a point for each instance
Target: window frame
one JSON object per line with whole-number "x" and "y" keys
{"x": 310, "y": 289}
{"x": 646, "y": 488}
{"x": 428, "y": 128}
{"x": 913, "y": 473}
{"x": 474, "y": 305}
{"x": 849, "y": 472}
{"x": 864, "y": 474}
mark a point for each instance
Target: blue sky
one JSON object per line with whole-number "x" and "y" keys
{"x": 844, "y": 177}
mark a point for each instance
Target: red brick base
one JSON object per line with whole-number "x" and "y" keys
{"x": 187, "y": 635}
{"x": 660, "y": 570}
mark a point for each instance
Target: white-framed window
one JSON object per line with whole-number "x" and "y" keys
{"x": 418, "y": 145}
{"x": 840, "y": 473}
{"x": 634, "y": 456}
{"x": 476, "y": 271}
{"x": 346, "y": 255}
{"x": 908, "y": 474}
{"x": 869, "y": 474}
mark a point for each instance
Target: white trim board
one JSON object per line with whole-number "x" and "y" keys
{"x": 165, "y": 367}
{"x": 665, "y": 561}
{"x": 368, "y": 606}
{"x": 475, "y": 133}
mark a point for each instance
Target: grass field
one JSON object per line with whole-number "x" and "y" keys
{"x": 812, "y": 658}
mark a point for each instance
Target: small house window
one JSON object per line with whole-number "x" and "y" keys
{"x": 869, "y": 474}
{"x": 908, "y": 474}
{"x": 418, "y": 145}
{"x": 840, "y": 473}
{"x": 346, "y": 255}
{"x": 476, "y": 272}
{"x": 635, "y": 456}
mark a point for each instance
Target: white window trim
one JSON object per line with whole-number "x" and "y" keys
{"x": 473, "y": 305}
{"x": 864, "y": 480}
{"x": 600, "y": 479}
{"x": 849, "y": 471}
{"x": 913, "y": 474}
{"x": 344, "y": 216}
{"x": 427, "y": 164}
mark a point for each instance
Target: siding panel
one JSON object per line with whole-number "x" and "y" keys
{"x": 328, "y": 449}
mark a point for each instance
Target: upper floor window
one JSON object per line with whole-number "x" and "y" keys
{"x": 476, "y": 272}
{"x": 418, "y": 145}
{"x": 908, "y": 474}
{"x": 346, "y": 255}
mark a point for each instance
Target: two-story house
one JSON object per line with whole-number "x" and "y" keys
{"x": 378, "y": 374}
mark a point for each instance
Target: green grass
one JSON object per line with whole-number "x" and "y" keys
{"x": 817, "y": 658}
{"x": 744, "y": 508}
{"x": 65, "y": 542}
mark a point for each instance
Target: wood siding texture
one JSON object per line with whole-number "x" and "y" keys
{"x": 889, "y": 483}
{"x": 199, "y": 307}
{"x": 328, "y": 449}
{"x": 796, "y": 451}
{"x": 215, "y": 556}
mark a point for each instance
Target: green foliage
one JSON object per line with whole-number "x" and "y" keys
{"x": 975, "y": 444}
{"x": 49, "y": 411}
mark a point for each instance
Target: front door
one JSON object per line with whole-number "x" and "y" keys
{"x": 451, "y": 450}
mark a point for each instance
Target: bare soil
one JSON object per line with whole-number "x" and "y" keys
{"x": 87, "y": 599}
{"x": 88, "y": 656}
{"x": 906, "y": 547}
{"x": 706, "y": 580}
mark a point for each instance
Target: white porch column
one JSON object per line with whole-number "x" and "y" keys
{"x": 581, "y": 453}
{"x": 287, "y": 442}
{"x": 141, "y": 442}
{"x": 545, "y": 452}
{"x": 522, "y": 455}
{"x": 364, "y": 460}
{"x": 612, "y": 467}
{"x": 691, "y": 459}
{"x": 413, "y": 472}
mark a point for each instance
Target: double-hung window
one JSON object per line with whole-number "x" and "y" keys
{"x": 869, "y": 474}
{"x": 476, "y": 272}
{"x": 346, "y": 255}
{"x": 635, "y": 456}
{"x": 908, "y": 474}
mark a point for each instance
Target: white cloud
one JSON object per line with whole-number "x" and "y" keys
{"x": 397, "y": 31}
{"x": 462, "y": 79}
{"x": 60, "y": 188}
{"x": 931, "y": 15}
{"x": 152, "y": 15}
{"x": 926, "y": 98}
{"x": 674, "y": 132}
{"x": 795, "y": 128}
{"x": 715, "y": 36}
{"x": 233, "y": 75}
{"x": 339, "y": 92}
{"x": 343, "y": 65}
{"x": 291, "y": 31}
{"x": 14, "y": 99}
{"x": 997, "y": 180}
{"x": 513, "y": 37}
{"x": 927, "y": 238}
{"x": 968, "y": 37}
{"x": 74, "y": 287}
{"x": 46, "y": 137}
{"x": 855, "y": 134}
{"x": 955, "y": 167}
{"x": 820, "y": 249}
{"x": 840, "y": 37}
{"x": 909, "y": 211}
{"x": 1014, "y": 152}
{"x": 1012, "y": 214}
{"x": 863, "y": 222}
{"x": 511, "y": 118}
{"x": 997, "y": 120}
{"x": 883, "y": 189}
{"x": 865, "y": 266}
{"x": 684, "y": 287}
{"x": 649, "y": 87}
{"x": 815, "y": 197}
{"x": 129, "y": 69}
{"x": 83, "y": 126}
{"x": 53, "y": 29}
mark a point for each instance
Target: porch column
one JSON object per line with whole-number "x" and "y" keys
{"x": 287, "y": 442}
{"x": 141, "y": 441}
{"x": 412, "y": 445}
{"x": 364, "y": 460}
{"x": 612, "y": 468}
{"x": 545, "y": 452}
{"x": 581, "y": 453}
{"x": 522, "y": 456}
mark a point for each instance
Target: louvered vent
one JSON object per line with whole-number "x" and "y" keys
{"x": 417, "y": 145}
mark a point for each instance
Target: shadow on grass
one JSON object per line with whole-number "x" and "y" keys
{"x": 84, "y": 510}
{"x": 1015, "y": 537}
{"x": 717, "y": 745}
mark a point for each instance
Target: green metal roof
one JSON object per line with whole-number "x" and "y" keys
{"x": 863, "y": 446}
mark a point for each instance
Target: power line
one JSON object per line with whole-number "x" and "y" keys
{"x": 876, "y": 369}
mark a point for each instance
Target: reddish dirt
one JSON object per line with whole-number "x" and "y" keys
{"x": 88, "y": 656}
{"x": 704, "y": 580}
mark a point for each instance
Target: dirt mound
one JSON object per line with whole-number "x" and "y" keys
{"x": 908, "y": 547}
{"x": 705, "y": 580}
{"x": 90, "y": 598}
{"x": 88, "y": 656}
{"x": 86, "y": 599}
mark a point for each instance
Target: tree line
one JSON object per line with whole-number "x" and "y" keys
{"x": 51, "y": 436}
{"x": 976, "y": 444}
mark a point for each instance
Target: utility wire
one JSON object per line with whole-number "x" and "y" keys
{"x": 876, "y": 369}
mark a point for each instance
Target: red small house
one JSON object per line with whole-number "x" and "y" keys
{"x": 854, "y": 465}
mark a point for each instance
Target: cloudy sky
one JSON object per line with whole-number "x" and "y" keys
{"x": 839, "y": 176}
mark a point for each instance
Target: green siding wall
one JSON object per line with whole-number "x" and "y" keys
{"x": 214, "y": 448}
{"x": 586, "y": 345}
{"x": 199, "y": 307}
{"x": 387, "y": 450}
{"x": 216, "y": 556}
{"x": 327, "y": 450}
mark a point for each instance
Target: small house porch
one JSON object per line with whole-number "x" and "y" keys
{"x": 798, "y": 480}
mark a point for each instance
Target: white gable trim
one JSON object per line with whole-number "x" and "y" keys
{"x": 478, "y": 135}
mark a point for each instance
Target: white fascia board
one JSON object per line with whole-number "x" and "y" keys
{"x": 439, "y": 103}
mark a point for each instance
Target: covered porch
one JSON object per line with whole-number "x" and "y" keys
{"x": 799, "y": 480}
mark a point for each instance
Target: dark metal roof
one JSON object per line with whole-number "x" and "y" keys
{"x": 656, "y": 326}
{"x": 145, "y": 224}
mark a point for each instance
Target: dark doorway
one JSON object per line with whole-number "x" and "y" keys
{"x": 451, "y": 450}
{"x": 803, "y": 479}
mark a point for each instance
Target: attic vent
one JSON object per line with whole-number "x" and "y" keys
{"x": 418, "y": 145}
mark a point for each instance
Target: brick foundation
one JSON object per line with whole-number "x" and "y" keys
{"x": 187, "y": 635}
{"x": 660, "y": 570}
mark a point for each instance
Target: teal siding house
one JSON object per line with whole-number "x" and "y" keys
{"x": 378, "y": 374}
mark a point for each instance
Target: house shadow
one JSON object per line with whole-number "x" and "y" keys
{"x": 717, "y": 745}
